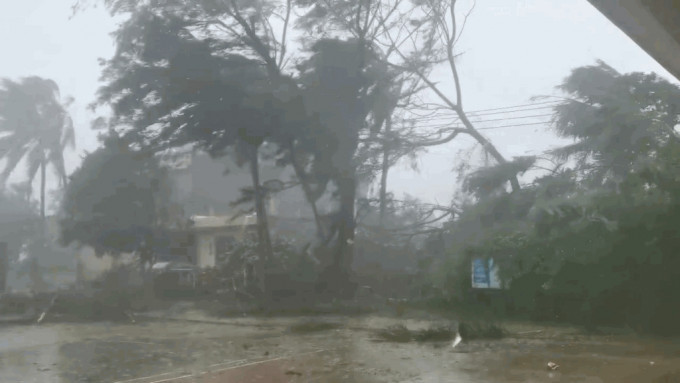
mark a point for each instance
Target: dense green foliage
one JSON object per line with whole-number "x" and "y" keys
{"x": 115, "y": 199}
{"x": 595, "y": 242}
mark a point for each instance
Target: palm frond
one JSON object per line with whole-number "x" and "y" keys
{"x": 13, "y": 157}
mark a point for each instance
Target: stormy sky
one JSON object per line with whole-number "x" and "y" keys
{"x": 512, "y": 51}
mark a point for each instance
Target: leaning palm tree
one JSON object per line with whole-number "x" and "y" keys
{"x": 35, "y": 125}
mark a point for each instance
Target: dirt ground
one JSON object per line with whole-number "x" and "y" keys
{"x": 195, "y": 348}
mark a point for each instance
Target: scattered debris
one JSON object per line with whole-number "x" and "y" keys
{"x": 44, "y": 313}
{"x": 395, "y": 333}
{"x": 129, "y": 316}
{"x": 552, "y": 366}
{"x": 456, "y": 340}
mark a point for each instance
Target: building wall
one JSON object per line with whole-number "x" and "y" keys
{"x": 205, "y": 250}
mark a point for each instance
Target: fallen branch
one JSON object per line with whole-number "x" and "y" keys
{"x": 47, "y": 309}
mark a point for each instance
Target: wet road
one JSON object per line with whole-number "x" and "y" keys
{"x": 264, "y": 350}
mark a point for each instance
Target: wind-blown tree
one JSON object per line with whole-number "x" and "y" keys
{"x": 245, "y": 28}
{"x": 594, "y": 236}
{"x": 619, "y": 122}
{"x": 115, "y": 199}
{"x": 36, "y": 126}
{"x": 172, "y": 89}
{"x": 344, "y": 83}
{"x": 415, "y": 36}
{"x": 412, "y": 38}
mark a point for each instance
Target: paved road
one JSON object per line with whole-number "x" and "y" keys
{"x": 265, "y": 350}
{"x": 266, "y": 370}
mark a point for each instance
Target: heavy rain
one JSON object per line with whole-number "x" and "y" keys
{"x": 339, "y": 191}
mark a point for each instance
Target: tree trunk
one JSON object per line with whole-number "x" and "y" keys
{"x": 264, "y": 240}
{"x": 302, "y": 176}
{"x": 488, "y": 146}
{"x": 385, "y": 170}
{"x": 43, "y": 220}
{"x": 338, "y": 273}
{"x": 42, "y": 190}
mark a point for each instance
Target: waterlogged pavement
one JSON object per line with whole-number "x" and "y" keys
{"x": 266, "y": 350}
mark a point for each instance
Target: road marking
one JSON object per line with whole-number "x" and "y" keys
{"x": 241, "y": 365}
{"x": 150, "y": 377}
{"x": 143, "y": 378}
{"x": 129, "y": 341}
{"x": 229, "y": 362}
{"x": 171, "y": 379}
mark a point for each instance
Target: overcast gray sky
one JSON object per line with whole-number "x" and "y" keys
{"x": 513, "y": 50}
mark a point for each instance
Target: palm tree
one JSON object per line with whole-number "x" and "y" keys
{"x": 34, "y": 124}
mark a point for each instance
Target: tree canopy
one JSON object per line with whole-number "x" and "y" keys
{"x": 115, "y": 199}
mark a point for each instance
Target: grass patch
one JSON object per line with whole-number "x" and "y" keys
{"x": 312, "y": 326}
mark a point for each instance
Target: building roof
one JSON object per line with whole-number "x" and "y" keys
{"x": 654, "y": 25}
{"x": 223, "y": 221}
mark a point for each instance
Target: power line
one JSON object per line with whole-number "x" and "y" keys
{"x": 508, "y": 126}
{"x": 514, "y": 111}
{"x": 515, "y": 106}
{"x": 513, "y": 118}
{"x": 499, "y": 108}
{"x": 496, "y": 127}
{"x": 497, "y": 119}
{"x": 453, "y": 115}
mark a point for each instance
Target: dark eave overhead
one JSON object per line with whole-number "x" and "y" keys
{"x": 653, "y": 24}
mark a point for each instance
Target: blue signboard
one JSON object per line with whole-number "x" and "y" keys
{"x": 480, "y": 276}
{"x": 485, "y": 274}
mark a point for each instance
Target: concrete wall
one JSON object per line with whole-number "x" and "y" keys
{"x": 90, "y": 266}
{"x": 205, "y": 250}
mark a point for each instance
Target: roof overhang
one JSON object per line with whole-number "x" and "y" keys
{"x": 222, "y": 222}
{"x": 653, "y": 24}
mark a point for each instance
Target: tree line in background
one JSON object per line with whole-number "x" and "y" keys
{"x": 592, "y": 239}
{"x": 218, "y": 76}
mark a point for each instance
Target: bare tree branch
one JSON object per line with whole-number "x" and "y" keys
{"x": 282, "y": 53}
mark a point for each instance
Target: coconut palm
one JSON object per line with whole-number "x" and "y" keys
{"x": 35, "y": 125}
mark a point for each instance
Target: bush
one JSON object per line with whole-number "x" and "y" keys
{"x": 480, "y": 330}
{"x": 441, "y": 333}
